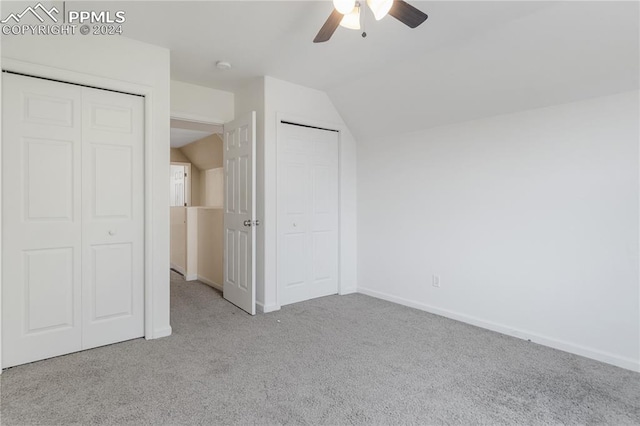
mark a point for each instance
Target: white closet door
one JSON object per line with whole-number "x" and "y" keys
{"x": 112, "y": 217}
{"x": 41, "y": 219}
{"x": 308, "y": 216}
{"x": 72, "y": 191}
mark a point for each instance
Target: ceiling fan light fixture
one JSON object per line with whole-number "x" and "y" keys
{"x": 344, "y": 6}
{"x": 380, "y": 8}
{"x": 352, "y": 20}
{"x": 398, "y": 9}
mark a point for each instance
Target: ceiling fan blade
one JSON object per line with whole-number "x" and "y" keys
{"x": 407, "y": 14}
{"x": 329, "y": 27}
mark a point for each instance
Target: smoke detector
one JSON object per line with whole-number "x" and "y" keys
{"x": 223, "y": 65}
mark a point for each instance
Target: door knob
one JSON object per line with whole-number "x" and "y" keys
{"x": 112, "y": 232}
{"x": 247, "y": 223}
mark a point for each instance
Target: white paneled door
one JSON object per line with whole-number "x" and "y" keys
{"x": 112, "y": 217}
{"x": 239, "y": 212}
{"x": 72, "y": 231}
{"x": 179, "y": 191}
{"x": 41, "y": 219}
{"x": 308, "y": 217}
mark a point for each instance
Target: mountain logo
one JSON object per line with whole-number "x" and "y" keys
{"x": 38, "y": 11}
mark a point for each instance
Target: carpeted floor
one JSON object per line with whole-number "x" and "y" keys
{"x": 334, "y": 360}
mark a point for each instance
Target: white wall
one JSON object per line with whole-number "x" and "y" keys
{"x": 210, "y": 240}
{"x": 313, "y": 107}
{"x": 177, "y": 156}
{"x": 213, "y": 187}
{"x": 178, "y": 236}
{"x": 530, "y": 220}
{"x": 205, "y": 153}
{"x": 272, "y": 98}
{"x": 132, "y": 64}
{"x": 192, "y": 102}
{"x": 196, "y": 178}
{"x": 1, "y": 272}
{"x": 192, "y": 237}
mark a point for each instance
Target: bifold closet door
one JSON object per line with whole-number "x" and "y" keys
{"x": 72, "y": 219}
{"x": 112, "y": 217}
{"x": 41, "y": 219}
{"x": 308, "y": 213}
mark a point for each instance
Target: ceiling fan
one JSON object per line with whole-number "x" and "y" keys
{"x": 347, "y": 14}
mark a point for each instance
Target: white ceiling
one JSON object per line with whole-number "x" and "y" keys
{"x": 567, "y": 52}
{"x": 275, "y": 37}
{"x": 184, "y": 132}
{"x": 469, "y": 60}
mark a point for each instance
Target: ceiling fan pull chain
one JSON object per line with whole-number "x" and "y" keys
{"x": 363, "y": 15}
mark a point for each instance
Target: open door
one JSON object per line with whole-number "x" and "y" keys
{"x": 239, "y": 212}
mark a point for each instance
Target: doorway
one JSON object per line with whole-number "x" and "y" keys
{"x": 196, "y": 194}
{"x": 213, "y": 236}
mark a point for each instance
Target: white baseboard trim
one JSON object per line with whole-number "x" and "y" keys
{"x": 348, "y": 291}
{"x": 177, "y": 268}
{"x": 262, "y": 309}
{"x": 163, "y": 332}
{"x": 209, "y": 282}
{"x": 609, "y": 358}
{"x": 191, "y": 277}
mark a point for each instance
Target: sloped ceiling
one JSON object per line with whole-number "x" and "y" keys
{"x": 205, "y": 153}
{"x": 567, "y": 52}
{"x": 469, "y": 60}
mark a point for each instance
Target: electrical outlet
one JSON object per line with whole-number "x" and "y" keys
{"x": 435, "y": 280}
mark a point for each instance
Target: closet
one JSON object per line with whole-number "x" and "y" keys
{"x": 72, "y": 218}
{"x": 308, "y": 197}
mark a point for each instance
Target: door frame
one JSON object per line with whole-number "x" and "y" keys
{"x": 73, "y": 77}
{"x": 305, "y": 121}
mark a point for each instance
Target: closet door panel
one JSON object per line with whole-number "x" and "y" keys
{"x": 112, "y": 226}
{"x": 72, "y": 189}
{"x": 41, "y": 219}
